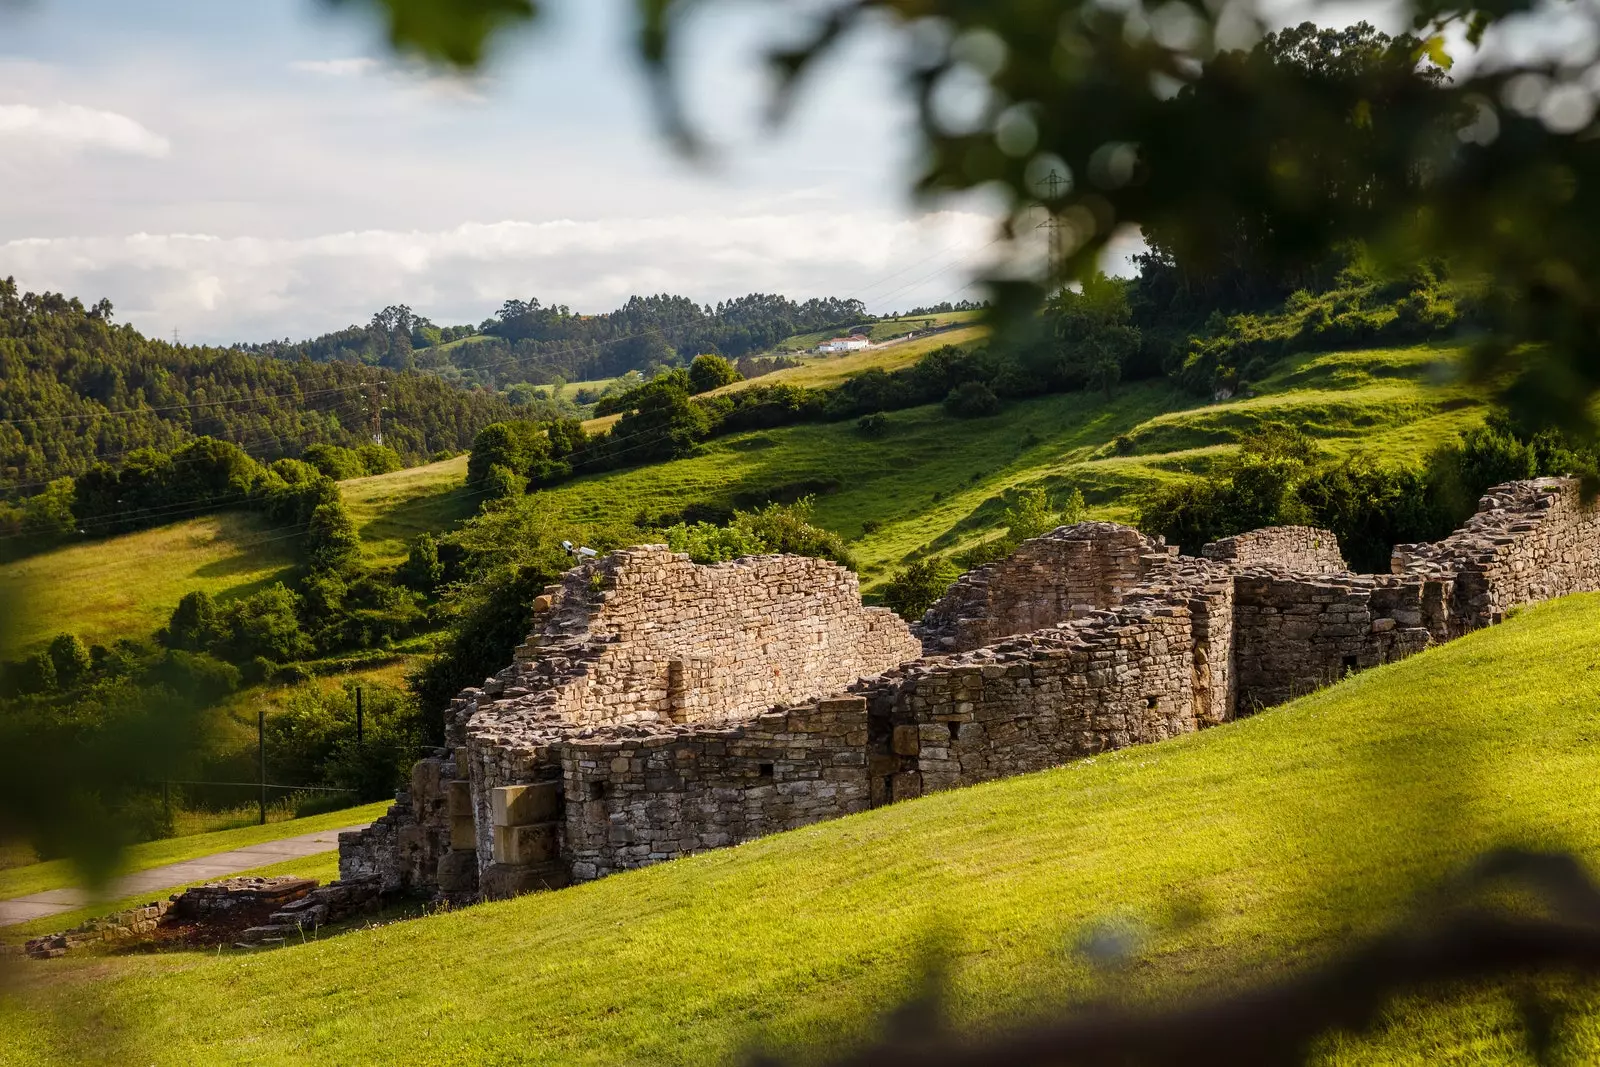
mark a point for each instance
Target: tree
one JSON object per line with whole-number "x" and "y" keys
{"x": 70, "y": 657}
{"x": 193, "y": 626}
{"x": 709, "y": 372}
{"x": 332, "y": 542}
{"x": 422, "y": 570}
{"x": 915, "y": 587}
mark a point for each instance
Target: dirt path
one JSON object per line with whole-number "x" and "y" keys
{"x": 152, "y": 881}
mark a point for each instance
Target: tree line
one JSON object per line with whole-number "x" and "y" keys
{"x": 78, "y": 390}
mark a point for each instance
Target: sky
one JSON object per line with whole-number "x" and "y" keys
{"x": 229, "y": 171}
{"x": 243, "y": 172}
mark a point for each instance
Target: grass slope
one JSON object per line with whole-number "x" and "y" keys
{"x": 59, "y": 874}
{"x": 1230, "y": 855}
{"x": 933, "y": 483}
{"x": 127, "y": 586}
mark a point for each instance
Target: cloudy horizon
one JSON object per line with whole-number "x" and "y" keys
{"x": 246, "y": 176}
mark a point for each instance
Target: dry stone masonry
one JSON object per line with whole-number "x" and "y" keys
{"x": 661, "y": 708}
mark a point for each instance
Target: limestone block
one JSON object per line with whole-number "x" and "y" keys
{"x": 517, "y": 845}
{"x": 521, "y": 805}
{"x": 907, "y": 741}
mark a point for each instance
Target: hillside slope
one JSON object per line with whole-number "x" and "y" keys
{"x": 932, "y": 482}
{"x": 1226, "y": 856}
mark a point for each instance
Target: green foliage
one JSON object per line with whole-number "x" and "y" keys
{"x": 709, "y": 372}
{"x": 35, "y": 674}
{"x": 332, "y": 542}
{"x": 915, "y": 587}
{"x": 706, "y": 542}
{"x": 335, "y": 462}
{"x": 874, "y": 425}
{"x": 263, "y": 624}
{"x": 70, "y": 658}
{"x": 312, "y": 741}
{"x": 971, "y": 400}
{"x": 501, "y": 483}
{"x": 422, "y": 570}
{"x": 77, "y": 391}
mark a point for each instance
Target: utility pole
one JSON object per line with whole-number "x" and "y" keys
{"x": 1050, "y": 187}
{"x": 358, "y": 716}
{"x": 372, "y": 394}
{"x": 261, "y": 757}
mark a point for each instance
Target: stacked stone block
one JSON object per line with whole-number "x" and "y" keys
{"x": 1070, "y": 571}
{"x": 660, "y": 709}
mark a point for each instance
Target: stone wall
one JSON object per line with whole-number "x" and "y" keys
{"x": 1070, "y": 571}
{"x": 1528, "y": 541}
{"x": 660, "y": 709}
{"x": 638, "y": 800}
{"x": 1295, "y": 633}
{"x": 1302, "y": 549}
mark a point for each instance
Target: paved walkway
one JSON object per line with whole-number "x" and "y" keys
{"x": 152, "y": 881}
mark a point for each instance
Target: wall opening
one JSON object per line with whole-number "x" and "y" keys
{"x": 765, "y": 770}
{"x": 955, "y": 730}
{"x": 1349, "y": 664}
{"x": 1151, "y": 701}
{"x": 597, "y": 791}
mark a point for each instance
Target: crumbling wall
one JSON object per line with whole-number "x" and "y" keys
{"x": 1117, "y": 678}
{"x": 670, "y": 640}
{"x": 1070, "y": 571}
{"x": 660, "y": 709}
{"x": 1293, "y": 633}
{"x": 1528, "y": 541}
{"x": 653, "y": 796}
{"x": 1302, "y": 549}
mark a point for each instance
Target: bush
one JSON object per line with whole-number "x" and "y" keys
{"x": 501, "y": 483}
{"x": 709, "y": 372}
{"x": 334, "y": 461}
{"x": 971, "y": 400}
{"x": 379, "y": 459}
{"x": 70, "y": 657}
{"x": 874, "y": 425}
{"x": 914, "y": 589}
{"x": 422, "y": 570}
{"x": 193, "y": 626}
{"x": 708, "y": 543}
{"x": 332, "y": 542}
{"x": 313, "y": 740}
{"x": 265, "y": 624}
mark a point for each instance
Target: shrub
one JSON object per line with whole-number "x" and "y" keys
{"x": 971, "y": 400}
{"x": 335, "y": 462}
{"x": 914, "y": 588}
{"x": 708, "y": 543}
{"x": 422, "y": 570}
{"x": 193, "y": 626}
{"x": 70, "y": 657}
{"x": 501, "y": 483}
{"x": 35, "y": 674}
{"x": 709, "y": 372}
{"x": 874, "y": 425}
{"x": 265, "y": 624}
{"x": 378, "y": 459}
{"x": 332, "y": 542}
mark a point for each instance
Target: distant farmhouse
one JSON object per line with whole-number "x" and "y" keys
{"x": 854, "y": 343}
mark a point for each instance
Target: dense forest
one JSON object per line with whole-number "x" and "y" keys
{"x": 77, "y": 390}
{"x": 529, "y": 341}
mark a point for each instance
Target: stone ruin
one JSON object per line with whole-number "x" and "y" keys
{"x": 660, "y": 708}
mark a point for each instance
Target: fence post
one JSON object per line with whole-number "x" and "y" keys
{"x": 261, "y": 755}
{"x": 358, "y": 716}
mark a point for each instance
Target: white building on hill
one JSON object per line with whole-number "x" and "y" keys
{"x": 854, "y": 343}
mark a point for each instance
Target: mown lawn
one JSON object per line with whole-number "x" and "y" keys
{"x": 1225, "y": 857}
{"x": 58, "y": 874}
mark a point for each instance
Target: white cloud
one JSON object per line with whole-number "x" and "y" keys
{"x": 352, "y": 67}
{"x": 76, "y": 127}
{"x": 224, "y": 289}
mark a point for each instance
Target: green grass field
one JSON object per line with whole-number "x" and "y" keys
{"x": 879, "y": 331}
{"x": 938, "y": 483}
{"x": 1229, "y": 856}
{"x": 127, "y": 586}
{"x": 933, "y": 483}
{"x": 390, "y": 510}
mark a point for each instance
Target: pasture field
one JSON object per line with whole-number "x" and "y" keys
{"x": 932, "y": 483}
{"x": 127, "y": 586}
{"x": 1223, "y": 858}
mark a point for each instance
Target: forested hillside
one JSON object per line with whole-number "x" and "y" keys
{"x": 529, "y": 341}
{"x": 76, "y": 389}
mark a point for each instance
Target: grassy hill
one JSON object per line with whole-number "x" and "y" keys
{"x": 933, "y": 482}
{"x": 1223, "y": 857}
